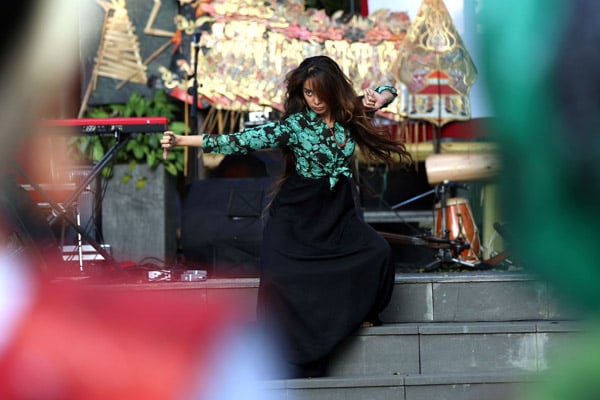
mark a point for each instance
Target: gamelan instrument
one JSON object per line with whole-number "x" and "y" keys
{"x": 460, "y": 167}
{"x": 454, "y": 236}
{"x": 459, "y": 225}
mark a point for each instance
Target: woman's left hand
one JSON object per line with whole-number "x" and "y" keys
{"x": 373, "y": 101}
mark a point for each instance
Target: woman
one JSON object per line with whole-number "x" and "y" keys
{"x": 324, "y": 271}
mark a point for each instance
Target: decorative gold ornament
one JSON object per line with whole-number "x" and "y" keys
{"x": 436, "y": 67}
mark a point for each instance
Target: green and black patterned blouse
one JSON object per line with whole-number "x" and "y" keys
{"x": 318, "y": 153}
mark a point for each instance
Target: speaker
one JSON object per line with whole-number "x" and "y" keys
{"x": 222, "y": 223}
{"x": 382, "y": 188}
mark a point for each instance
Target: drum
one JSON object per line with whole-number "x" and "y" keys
{"x": 461, "y": 167}
{"x": 460, "y": 225}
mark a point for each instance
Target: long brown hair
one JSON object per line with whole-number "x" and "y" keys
{"x": 333, "y": 87}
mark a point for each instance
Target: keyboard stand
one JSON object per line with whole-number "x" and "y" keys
{"x": 60, "y": 211}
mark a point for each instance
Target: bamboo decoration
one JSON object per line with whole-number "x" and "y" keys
{"x": 149, "y": 29}
{"x": 119, "y": 54}
{"x": 147, "y": 61}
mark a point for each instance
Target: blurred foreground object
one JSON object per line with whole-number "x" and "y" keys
{"x": 546, "y": 128}
{"x": 73, "y": 340}
{"x": 38, "y": 67}
{"x": 545, "y": 86}
{"x": 80, "y": 341}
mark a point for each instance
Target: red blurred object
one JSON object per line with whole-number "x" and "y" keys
{"x": 79, "y": 341}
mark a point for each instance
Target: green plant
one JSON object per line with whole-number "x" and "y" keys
{"x": 141, "y": 148}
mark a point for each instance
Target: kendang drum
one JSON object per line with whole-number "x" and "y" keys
{"x": 461, "y": 167}
{"x": 460, "y": 225}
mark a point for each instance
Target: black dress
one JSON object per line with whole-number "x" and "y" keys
{"x": 324, "y": 271}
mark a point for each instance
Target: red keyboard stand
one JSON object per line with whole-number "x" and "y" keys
{"x": 122, "y": 129}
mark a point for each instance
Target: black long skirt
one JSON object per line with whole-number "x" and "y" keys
{"x": 324, "y": 271}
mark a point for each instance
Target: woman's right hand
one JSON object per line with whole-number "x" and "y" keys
{"x": 168, "y": 142}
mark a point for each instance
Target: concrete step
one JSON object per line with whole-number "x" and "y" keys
{"x": 418, "y": 297}
{"x": 455, "y": 336}
{"x": 441, "y": 361}
{"x": 489, "y": 386}
{"x": 474, "y": 296}
{"x": 450, "y": 348}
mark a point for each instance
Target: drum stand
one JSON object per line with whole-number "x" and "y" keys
{"x": 447, "y": 249}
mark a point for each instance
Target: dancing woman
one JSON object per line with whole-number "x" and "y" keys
{"x": 324, "y": 272}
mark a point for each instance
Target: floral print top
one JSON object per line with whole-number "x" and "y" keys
{"x": 318, "y": 153}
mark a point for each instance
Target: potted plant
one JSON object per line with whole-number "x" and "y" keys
{"x": 138, "y": 198}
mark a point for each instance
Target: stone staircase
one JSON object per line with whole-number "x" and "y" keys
{"x": 447, "y": 336}
{"x": 454, "y": 336}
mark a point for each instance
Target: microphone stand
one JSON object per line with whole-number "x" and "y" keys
{"x": 420, "y": 196}
{"x": 193, "y": 152}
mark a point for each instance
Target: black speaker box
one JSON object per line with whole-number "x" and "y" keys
{"x": 222, "y": 223}
{"x": 381, "y": 188}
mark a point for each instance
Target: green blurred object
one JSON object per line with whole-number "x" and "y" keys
{"x": 553, "y": 216}
{"x": 543, "y": 74}
{"x": 576, "y": 378}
